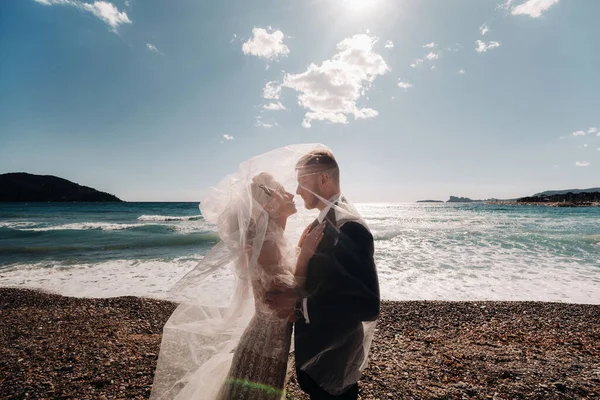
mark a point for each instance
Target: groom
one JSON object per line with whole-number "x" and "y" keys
{"x": 341, "y": 290}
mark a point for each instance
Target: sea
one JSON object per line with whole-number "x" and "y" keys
{"x": 423, "y": 251}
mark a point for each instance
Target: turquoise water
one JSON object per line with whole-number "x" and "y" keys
{"x": 423, "y": 251}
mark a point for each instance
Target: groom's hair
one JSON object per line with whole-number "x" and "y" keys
{"x": 320, "y": 160}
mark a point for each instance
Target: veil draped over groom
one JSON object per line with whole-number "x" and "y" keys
{"x": 217, "y": 299}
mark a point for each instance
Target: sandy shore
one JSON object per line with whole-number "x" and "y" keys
{"x": 62, "y": 347}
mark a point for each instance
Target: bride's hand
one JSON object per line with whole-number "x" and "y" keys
{"x": 311, "y": 242}
{"x": 303, "y": 236}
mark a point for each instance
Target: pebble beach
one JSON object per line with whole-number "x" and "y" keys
{"x": 65, "y": 347}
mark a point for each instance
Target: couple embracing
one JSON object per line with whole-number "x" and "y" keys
{"x": 282, "y": 276}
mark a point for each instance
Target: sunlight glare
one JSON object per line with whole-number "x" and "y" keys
{"x": 360, "y": 6}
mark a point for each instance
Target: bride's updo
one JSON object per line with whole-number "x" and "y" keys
{"x": 261, "y": 186}
{"x": 238, "y": 222}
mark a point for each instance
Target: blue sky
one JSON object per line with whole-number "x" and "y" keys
{"x": 157, "y": 100}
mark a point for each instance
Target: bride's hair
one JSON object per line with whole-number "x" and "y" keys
{"x": 320, "y": 160}
{"x": 237, "y": 226}
{"x": 261, "y": 187}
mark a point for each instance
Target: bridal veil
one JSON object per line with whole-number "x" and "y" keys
{"x": 216, "y": 297}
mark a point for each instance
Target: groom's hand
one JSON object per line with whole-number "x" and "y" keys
{"x": 283, "y": 301}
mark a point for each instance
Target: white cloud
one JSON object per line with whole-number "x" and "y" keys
{"x": 455, "y": 48}
{"x": 429, "y": 45}
{"x": 484, "y": 29}
{"x": 389, "y": 44}
{"x": 482, "y": 47}
{"x": 598, "y": 147}
{"x": 266, "y": 45}
{"x": 592, "y": 129}
{"x": 261, "y": 124}
{"x": 127, "y": 3}
{"x": 432, "y": 67}
{"x": 504, "y": 6}
{"x": 404, "y": 85}
{"x": 272, "y": 90}
{"x": 105, "y": 11}
{"x": 417, "y": 63}
{"x": 533, "y": 8}
{"x": 152, "y": 47}
{"x": 582, "y": 163}
{"x": 274, "y": 106}
{"x": 108, "y": 13}
{"x": 227, "y": 137}
{"x": 462, "y": 71}
{"x": 432, "y": 56}
{"x": 579, "y": 133}
{"x": 233, "y": 38}
{"x": 330, "y": 91}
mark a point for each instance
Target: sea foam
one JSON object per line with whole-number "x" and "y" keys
{"x": 167, "y": 218}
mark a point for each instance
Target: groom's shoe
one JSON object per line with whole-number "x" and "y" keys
{"x": 308, "y": 385}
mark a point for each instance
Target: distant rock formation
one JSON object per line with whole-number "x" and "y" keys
{"x": 568, "y": 199}
{"x": 20, "y": 187}
{"x": 430, "y": 201}
{"x": 454, "y": 199}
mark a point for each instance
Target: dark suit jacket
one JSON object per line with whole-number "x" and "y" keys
{"x": 342, "y": 291}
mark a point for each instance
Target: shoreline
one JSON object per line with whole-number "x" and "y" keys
{"x": 90, "y": 348}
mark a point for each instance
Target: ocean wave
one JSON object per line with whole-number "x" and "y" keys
{"x": 196, "y": 239}
{"x": 384, "y": 235}
{"x": 83, "y": 226}
{"x": 16, "y": 225}
{"x": 167, "y": 218}
{"x": 592, "y": 238}
{"x": 24, "y": 230}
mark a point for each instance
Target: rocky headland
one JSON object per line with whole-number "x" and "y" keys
{"x": 24, "y": 187}
{"x": 569, "y": 199}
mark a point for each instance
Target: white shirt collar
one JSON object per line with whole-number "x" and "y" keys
{"x": 324, "y": 211}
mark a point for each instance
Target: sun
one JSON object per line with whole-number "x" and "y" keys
{"x": 360, "y": 6}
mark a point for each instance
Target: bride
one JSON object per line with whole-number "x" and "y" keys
{"x": 240, "y": 351}
{"x": 259, "y": 365}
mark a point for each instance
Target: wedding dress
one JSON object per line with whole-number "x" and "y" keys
{"x": 259, "y": 366}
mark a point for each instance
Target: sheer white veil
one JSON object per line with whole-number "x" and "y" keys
{"x": 202, "y": 333}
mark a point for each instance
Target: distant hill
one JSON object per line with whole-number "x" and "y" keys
{"x": 454, "y": 199}
{"x": 574, "y": 191}
{"x": 569, "y": 198}
{"x": 430, "y": 201}
{"x": 20, "y": 187}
